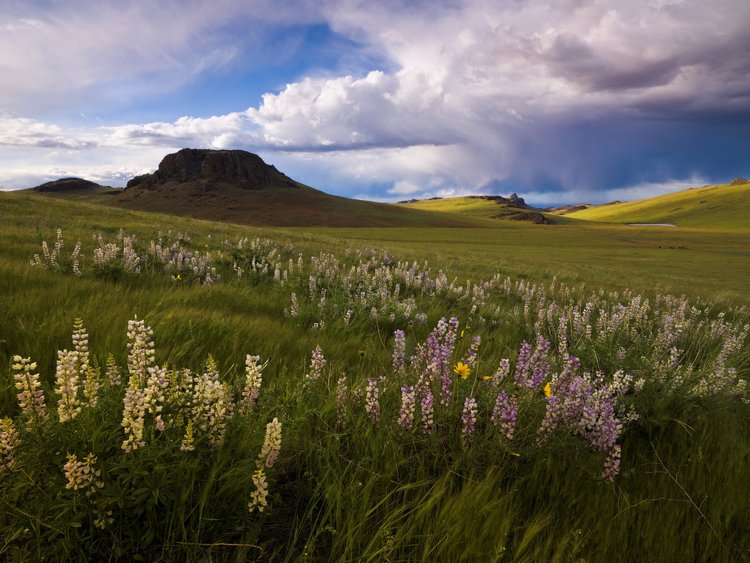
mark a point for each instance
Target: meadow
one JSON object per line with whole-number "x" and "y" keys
{"x": 175, "y": 389}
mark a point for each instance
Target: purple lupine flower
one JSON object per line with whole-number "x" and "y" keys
{"x": 317, "y": 362}
{"x": 446, "y": 389}
{"x": 408, "y": 407}
{"x": 399, "y": 351}
{"x": 434, "y": 355}
{"x": 532, "y": 369}
{"x": 469, "y": 418}
{"x": 502, "y": 372}
{"x": 585, "y": 409}
{"x": 540, "y": 361}
{"x": 428, "y": 412}
{"x": 505, "y": 413}
{"x": 612, "y": 464}
{"x": 372, "y": 404}
{"x": 471, "y": 355}
{"x": 523, "y": 364}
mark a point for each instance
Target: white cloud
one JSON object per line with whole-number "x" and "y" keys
{"x": 81, "y": 52}
{"x": 573, "y": 97}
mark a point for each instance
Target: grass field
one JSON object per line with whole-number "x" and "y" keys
{"x": 475, "y": 207}
{"x": 361, "y": 475}
{"x": 723, "y": 207}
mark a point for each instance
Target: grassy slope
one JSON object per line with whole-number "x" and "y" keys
{"x": 464, "y": 206}
{"x": 721, "y": 207}
{"x": 301, "y": 206}
{"x": 574, "y": 514}
{"x": 473, "y": 207}
{"x": 99, "y": 194}
{"x": 712, "y": 266}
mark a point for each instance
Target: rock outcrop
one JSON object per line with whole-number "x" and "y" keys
{"x": 739, "y": 182}
{"x": 239, "y": 168}
{"x": 513, "y": 200}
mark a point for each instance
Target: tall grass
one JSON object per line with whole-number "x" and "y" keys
{"x": 345, "y": 488}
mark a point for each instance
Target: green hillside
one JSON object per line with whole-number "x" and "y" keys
{"x": 475, "y": 206}
{"x": 722, "y": 207}
{"x": 361, "y": 475}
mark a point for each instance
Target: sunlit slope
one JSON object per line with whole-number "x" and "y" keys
{"x": 713, "y": 265}
{"x": 721, "y": 207}
{"x": 474, "y": 206}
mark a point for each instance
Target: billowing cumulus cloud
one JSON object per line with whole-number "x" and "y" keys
{"x": 564, "y": 101}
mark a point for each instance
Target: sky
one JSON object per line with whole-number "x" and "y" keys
{"x": 561, "y": 101}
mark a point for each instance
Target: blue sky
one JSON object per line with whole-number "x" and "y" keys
{"x": 560, "y": 101}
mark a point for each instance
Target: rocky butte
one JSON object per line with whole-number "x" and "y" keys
{"x": 239, "y": 168}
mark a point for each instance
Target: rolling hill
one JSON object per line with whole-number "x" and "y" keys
{"x": 720, "y": 207}
{"x": 484, "y": 207}
{"x": 239, "y": 187}
{"x": 76, "y": 188}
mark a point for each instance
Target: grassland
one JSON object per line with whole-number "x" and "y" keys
{"x": 722, "y": 207}
{"x": 475, "y": 207}
{"x": 347, "y": 489}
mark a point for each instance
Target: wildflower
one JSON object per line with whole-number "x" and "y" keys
{"x": 105, "y": 519}
{"x": 259, "y": 497}
{"x": 133, "y": 418}
{"x": 612, "y": 464}
{"x": 462, "y": 370}
{"x": 531, "y": 369}
{"x": 113, "y": 372}
{"x": 212, "y": 404}
{"x": 67, "y": 385}
{"x": 548, "y": 390}
{"x": 253, "y": 380}
{"x": 141, "y": 353}
{"x": 399, "y": 351}
{"x": 154, "y": 394}
{"x": 372, "y": 405}
{"x": 428, "y": 412}
{"x": 81, "y": 345}
{"x": 82, "y": 475}
{"x": 469, "y": 418}
{"x": 317, "y": 362}
{"x": 408, "y": 406}
{"x": 502, "y": 372}
{"x": 187, "y": 444}
{"x": 486, "y": 378}
{"x": 30, "y": 393}
{"x": 9, "y": 440}
{"x": 471, "y": 355}
{"x": 271, "y": 445}
{"x": 505, "y": 413}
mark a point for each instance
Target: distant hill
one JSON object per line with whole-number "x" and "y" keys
{"x": 720, "y": 207}
{"x": 75, "y": 188}
{"x": 511, "y": 208}
{"x": 239, "y": 187}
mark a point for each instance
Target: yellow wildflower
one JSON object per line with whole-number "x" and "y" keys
{"x": 462, "y": 370}
{"x": 547, "y": 390}
{"x": 486, "y": 377}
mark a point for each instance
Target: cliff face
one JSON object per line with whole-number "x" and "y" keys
{"x": 239, "y": 168}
